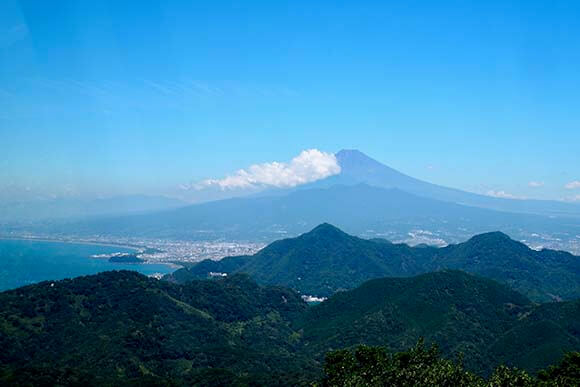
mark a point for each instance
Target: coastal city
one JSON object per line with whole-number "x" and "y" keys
{"x": 177, "y": 252}
{"x": 152, "y": 250}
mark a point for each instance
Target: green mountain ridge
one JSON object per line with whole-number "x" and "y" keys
{"x": 326, "y": 260}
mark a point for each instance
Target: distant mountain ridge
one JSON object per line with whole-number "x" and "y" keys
{"x": 356, "y": 208}
{"x": 326, "y": 260}
{"x": 356, "y": 167}
{"x": 366, "y": 198}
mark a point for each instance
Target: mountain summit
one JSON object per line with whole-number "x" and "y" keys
{"x": 326, "y": 260}
{"x": 352, "y": 160}
{"x": 357, "y": 167}
{"x": 365, "y": 198}
{"x": 494, "y": 237}
{"x": 325, "y": 231}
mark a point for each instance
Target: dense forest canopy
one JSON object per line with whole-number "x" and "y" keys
{"x": 123, "y": 327}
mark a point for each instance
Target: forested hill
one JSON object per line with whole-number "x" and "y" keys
{"x": 119, "y": 327}
{"x": 123, "y": 328}
{"x": 326, "y": 260}
{"x": 486, "y": 321}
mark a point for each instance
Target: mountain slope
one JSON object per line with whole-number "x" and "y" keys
{"x": 118, "y": 327}
{"x": 326, "y": 260}
{"x": 320, "y": 262}
{"x": 540, "y": 337}
{"x": 366, "y": 198}
{"x": 124, "y": 328}
{"x": 487, "y": 322}
{"x": 356, "y": 167}
{"x": 461, "y": 312}
{"x": 541, "y": 274}
{"x": 359, "y": 209}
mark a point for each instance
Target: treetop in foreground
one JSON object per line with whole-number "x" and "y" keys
{"x": 421, "y": 366}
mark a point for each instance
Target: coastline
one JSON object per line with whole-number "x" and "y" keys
{"x": 172, "y": 265}
{"x": 134, "y": 248}
{"x": 72, "y": 242}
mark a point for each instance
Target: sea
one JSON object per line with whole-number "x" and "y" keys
{"x": 25, "y": 262}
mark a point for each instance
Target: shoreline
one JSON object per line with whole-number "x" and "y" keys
{"x": 72, "y": 242}
{"x": 94, "y": 243}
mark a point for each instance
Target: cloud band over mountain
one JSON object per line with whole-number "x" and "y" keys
{"x": 310, "y": 165}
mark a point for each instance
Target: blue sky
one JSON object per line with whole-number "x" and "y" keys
{"x": 111, "y": 97}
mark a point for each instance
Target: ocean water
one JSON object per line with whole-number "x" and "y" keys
{"x": 27, "y": 262}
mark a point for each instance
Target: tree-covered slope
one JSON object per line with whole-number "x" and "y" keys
{"x": 422, "y": 366}
{"x": 542, "y": 275}
{"x": 319, "y": 262}
{"x": 117, "y": 327}
{"x": 541, "y": 337}
{"x": 326, "y": 260}
{"x": 461, "y": 312}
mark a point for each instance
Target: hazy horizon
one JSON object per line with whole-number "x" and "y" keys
{"x": 309, "y": 166}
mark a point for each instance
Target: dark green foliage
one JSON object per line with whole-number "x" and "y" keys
{"x": 374, "y": 366}
{"x": 541, "y": 337}
{"x": 119, "y": 327}
{"x": 202, "y": 269}
{"x": 486, "y": 321}
{"x": 510, "y": 377}
{"x": 327, "y": 260}
{"x": 544, "y": 275}
{"x": 319, "y": 263}
{"x": 566, "y": 373}
{"x": 461, "y": 312}
{"x": 126, "y": 258}
{"x": 122, "y": 328}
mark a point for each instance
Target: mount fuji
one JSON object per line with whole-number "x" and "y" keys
{"x": 366, "y": 198}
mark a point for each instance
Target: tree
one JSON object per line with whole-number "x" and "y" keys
{"x": 374, "y": 366}
{"x": 565, "y": 373}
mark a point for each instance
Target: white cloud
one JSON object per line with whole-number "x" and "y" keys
{"x": 502, "y": 194}
{"x": 536, "y": 184}
{"x": 573, "y": 184}
{"x": 310, "y": 165}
